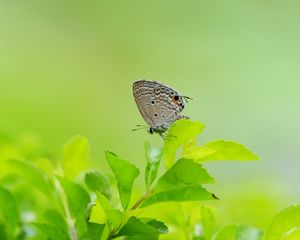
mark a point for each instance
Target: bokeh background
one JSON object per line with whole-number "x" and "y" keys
{"x": 67, "y": 67}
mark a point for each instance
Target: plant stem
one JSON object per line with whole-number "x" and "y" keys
{"x": 111, "y": 235}
{"x": 142, "y": 199}
{"x": 70, "y": 220}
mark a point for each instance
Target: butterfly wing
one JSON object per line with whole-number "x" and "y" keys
{"x": 142, "y": 92}
{"x": 158, "y": 104}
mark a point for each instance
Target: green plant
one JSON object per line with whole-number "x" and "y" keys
{"x": 63, "y": 200}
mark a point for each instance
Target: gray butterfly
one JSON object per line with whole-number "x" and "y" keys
{"x": 158, "y": 104}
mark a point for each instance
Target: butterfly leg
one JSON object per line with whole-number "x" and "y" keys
{"x": 182, "y": 117}
{"x": 168, "y": 136}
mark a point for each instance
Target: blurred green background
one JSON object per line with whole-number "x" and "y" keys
{"x": 67, "y": 67}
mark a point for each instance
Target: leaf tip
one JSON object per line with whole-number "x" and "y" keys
{"x": 109, "y": 153}
{"x": 214, "y": 196}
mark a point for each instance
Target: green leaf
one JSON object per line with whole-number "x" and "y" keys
{"x": 54, "y": 218}
{"x": 197, "y": 153}
{"x": 208, "y": 221}
{"x": 81, "y": 226}
{"x": 188, "y": 145}
{"x": 78, "y": 198}
{"x": 227, "y": 150}
{"x": 52, "y": 232}
{"x": 227, "y": 233}
{"x": 285, "y": 221}
{"x": 95, "y": 213}
{"x": 233, "y": 232}
{"x": 96, "y": 181}
{"x": 33, "y": 175}
{"x": 293, "y": 235}
{"x": 186, "y": 172}
{"x": 76, "y": 156}
{"x": 180, "y": 193}
{"x": 139, "y": 237}
{"x": 135, "y": 226}
{"x": 9, "y": 210}
{"x": 125, "y": 174}
{"x": 3, "y": 234}
{"x": 114, "y": 217}
{"x": 95, "y": 230}
{"x": 153, "y": 156}
{"x": 158, "y": 225}
{"x": 248, "y": 233}
{"x": 179, "y": 133}
{"x": 103, "y": 201}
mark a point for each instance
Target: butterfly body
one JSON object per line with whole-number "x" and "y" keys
{"x": 158, "y": 104}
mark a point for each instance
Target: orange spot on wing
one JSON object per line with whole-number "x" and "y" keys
{"x": 175, "y": 99}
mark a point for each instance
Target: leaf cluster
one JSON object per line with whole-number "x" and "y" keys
{"x": 63, "y": 200}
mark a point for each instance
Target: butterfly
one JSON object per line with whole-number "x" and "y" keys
{"x": 159, "y": 105}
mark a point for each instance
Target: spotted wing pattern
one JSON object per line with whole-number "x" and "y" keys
{"x": 158, "y": 104}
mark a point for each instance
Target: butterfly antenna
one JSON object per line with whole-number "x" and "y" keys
{"x": 136, "y": 129}
{"x": 139, "y": 127}
{"x": 186, "y": 98}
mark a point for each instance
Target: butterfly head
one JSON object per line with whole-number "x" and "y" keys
{"x": 150, "y": 130}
